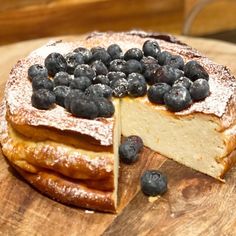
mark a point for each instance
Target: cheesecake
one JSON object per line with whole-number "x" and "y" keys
{"x": 75, "y": 160}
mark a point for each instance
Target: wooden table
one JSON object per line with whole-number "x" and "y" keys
{"x": 195, "y": 204}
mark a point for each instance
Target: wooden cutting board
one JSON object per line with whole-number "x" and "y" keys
{"x": 195, "y": 204}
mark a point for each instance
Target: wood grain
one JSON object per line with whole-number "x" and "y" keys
{"x": 195, "y": 204}
{"x": 215, "y": 16}
{"x": 34, "y": 19}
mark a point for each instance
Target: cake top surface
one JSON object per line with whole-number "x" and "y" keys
{"x": 220, "y": 102}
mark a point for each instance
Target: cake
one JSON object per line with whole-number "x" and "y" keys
{"x": 75, "y": 160}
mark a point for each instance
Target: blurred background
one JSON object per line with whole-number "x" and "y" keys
{"x": 31, "y": 19}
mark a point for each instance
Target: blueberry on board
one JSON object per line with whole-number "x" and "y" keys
{"x": 87, "y": 55}
{"x": 43, "y": 99}
{"x": 101, "y": 79}
{"x": 115, "y": 51}
{"x": 128, "y": 152}
{"x": 105, "y": 107}
{"x": 133, "y": 53}
{"x": 163, "y": 56}
{"x": 99, "y": 68}
{"x": 157, "y": 91}
{"x": 193, "y": 70}
{"x": 61, "y": 92}
{"x": 119, "y": 87}
{"x": 42, "y": 83}
{"x": 62, "y": 78}
{"x": 118, "y": 65}
{"x": 81, "y": 83}
{"x": 84, "y": 108}
{"x": 177, "y": 99}
{"x": 74, "y": 93}
{"x": 151, "y": 48}
{"x": 168, "y": 74}
{"x": 183, "y": 81}
{"x": 54, "y": 63}
{"x": 133, "y": 66}
{"x": 136, "y": 141}
{"x": 153, "y": 183}
{"x": 37, "y": 71}
{"x": 175, "y": 61}
{"x": 84, "y": 70}
{"x": 199, "y": 89}
{"x": 114, "y": 75}
{"x": 137, "y": 86}
{"x": 100, "y": 54}
{"x": 73, "y": 59}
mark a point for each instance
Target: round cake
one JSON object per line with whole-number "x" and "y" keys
{"x": 70, "y": 153}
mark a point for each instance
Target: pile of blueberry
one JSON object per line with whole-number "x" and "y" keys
{"x": 83, "y": 81}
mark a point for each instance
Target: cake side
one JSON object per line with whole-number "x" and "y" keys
{"x": 194, "y": 140}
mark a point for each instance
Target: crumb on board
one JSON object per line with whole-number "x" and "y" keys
{"x": 153, "y": 199}
{"x": 89, "y": 212}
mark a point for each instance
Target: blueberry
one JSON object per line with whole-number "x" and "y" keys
{"x": 119, "y": 87}
{"x": 81, "y": 83}
{"x": 153, "y": 183}
{"x": 137, "y": 86}
{"x": 129, "y": 149}
{"x": 148, "y": 62}
{"x": 193, "y": 70}
{"x": 133, "y": 66}
{"x": 175, "y": 61}
{"x": 199, "y": 89}
{"x": 84, "y": 108}
{"x": 101, "y": 79}
{"x": 74, "y": 93}
{"x": 37, "y": 71}
{"x": 99, "y": 90}
{"x": 135, "y": 140}
{"x": 105, "y": 107}
{"x": 157, "y": 91}
{"x": 87, "y": 55}
{"x": 183, "y": 81}
{"x": 177, "y": 99}
{"x": 162, "y": 57}
{"x": 116, "y": 75}
{"x": 43, "y": 99}
{"x": 73, "y": 59}
{"x": 99, "y": 68}
{"x": 150, "y": 66}
{"x": 128, "y": 153}
{"x": 117, "y": 65}
{"x": 61, "y": 92}
{"x": 100, "y": 54}
{"x": 151, "y": 48}
{"x": 42, "y": 83}
{"x": 133, "y": 53}
{"x": 62, "y": 78}
{"x": 115, "y": 51}
{"x": 55, "y": 62}
{"x": 84, "y": 70}
{"x": 168, "y": 74}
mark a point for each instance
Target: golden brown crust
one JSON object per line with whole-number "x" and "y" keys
{"x": 67, "y": 160}
{"x": 69, "y": 192}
